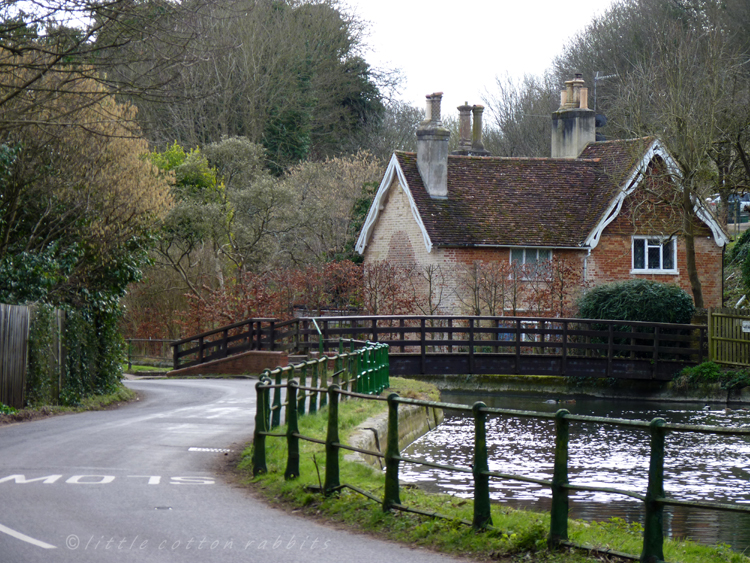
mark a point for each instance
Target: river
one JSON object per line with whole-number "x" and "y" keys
{"x": 697, "y": 467}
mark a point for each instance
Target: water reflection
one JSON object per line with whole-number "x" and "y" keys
{"x": 697, "y": 467}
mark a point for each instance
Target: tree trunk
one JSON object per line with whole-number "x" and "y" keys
{"x": 692, "y": 270}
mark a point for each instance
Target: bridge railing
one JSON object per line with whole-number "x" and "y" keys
{"x": 251, "y": 334}
{"x": 471, "y": 336}
{"x": 439, "y": 334}
{"x": 653, "y": 497}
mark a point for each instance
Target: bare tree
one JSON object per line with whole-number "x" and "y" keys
{"x": 519, "y": 116}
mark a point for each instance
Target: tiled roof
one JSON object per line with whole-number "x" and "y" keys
{"x": 523, "y": 201}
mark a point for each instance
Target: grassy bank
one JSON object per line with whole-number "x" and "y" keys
{"x": 517, "y": 535}
{"x": 93, "y": 403}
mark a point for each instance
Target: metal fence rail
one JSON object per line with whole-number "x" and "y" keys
{"x": 363, "y": 372}
{"x": 653, "y": 498}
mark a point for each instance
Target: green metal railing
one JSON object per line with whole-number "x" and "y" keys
{"x": 653, "y": 498}
{"x": 364, "y": 372}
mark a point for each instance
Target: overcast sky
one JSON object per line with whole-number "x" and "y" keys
{"x": 459, "y": 47}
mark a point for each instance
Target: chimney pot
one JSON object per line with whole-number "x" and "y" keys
{"x": 573, "y": 124}
{"x": 477, "y": 146}
{"x": 464, "y": 126}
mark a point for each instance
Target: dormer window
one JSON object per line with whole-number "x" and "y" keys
{"x": 654, "y": 255}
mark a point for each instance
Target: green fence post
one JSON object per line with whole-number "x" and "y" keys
{"x": 261, "y": 426}
{"x": 482, "y": 512}
{"x": 387, "y": 365}
{"x": 276, "y": 410}
{"x": 391, "y": 494}
{"x": 332, "y": 437}
{"x": 558, "y": 525}
{"x": 314, "y": 394}
{"x": 653, "y": 522}
{"x": 292, "y": 432}
{"x": 303, "y": 393}
{"x": 324, "y": 381}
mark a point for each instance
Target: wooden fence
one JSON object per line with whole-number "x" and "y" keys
{"x": 14, "y": 335}
{"x": 729, "y": 336}
{"x": 474, "y": 345}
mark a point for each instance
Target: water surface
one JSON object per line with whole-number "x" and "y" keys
{"x": 697, "y": 467}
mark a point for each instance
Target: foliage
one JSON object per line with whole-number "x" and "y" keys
{"x": 5, "y": 409}
{"x": 739, "y": 255}
{"x": 77, "y": 200}
{"x": 710, "y": 372}
{"x": 315, "y": 288}
{"x": 285, "y": 74}
{"x": 331, "y": 199}
{"x": 637, "y": 300}
{"x": 93, "y": 355}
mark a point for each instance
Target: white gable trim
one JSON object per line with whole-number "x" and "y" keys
{"x": 393, "y": 171}
{"x": 634, "y": 180}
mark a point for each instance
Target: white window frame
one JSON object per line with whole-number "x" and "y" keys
{"x": 652, "y": 242}
{"x": 527, "y": 249}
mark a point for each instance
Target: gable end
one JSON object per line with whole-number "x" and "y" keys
{"x": 392, "y": 173}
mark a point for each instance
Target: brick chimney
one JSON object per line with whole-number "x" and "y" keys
{"x": 470, "y": 142}
{"x": 573, "y": 124}
{"x": 432, "y": 149}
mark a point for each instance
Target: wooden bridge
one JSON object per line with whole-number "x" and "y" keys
{"x": 472, "y": 345}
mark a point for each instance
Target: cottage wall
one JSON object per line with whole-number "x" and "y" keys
{"x": 397, "y": 238}
{"x": 611, "y": 260}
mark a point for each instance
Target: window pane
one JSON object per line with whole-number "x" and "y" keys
{"x": 654, "y": 257}
{"x": 516, "y": 255}
{"x": 668, "y": 255}
{"x": 639, "y": 254}
{"x": 531, "y": 255}
{"x": 545, "y": 254}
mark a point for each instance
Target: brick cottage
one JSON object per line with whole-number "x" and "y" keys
{"x": 609, "y": 210}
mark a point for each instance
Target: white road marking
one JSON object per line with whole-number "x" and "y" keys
{"x": 24, "y": 537}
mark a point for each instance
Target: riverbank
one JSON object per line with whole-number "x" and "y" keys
{"x": 517, "y": 535}
{"x": 563, "y": 388}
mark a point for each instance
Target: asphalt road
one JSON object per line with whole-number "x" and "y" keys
{"x": 144, "y": 483}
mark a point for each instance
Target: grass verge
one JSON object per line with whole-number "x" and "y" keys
{"x": 519, "y": 535}
{"x": 93, "y": 403}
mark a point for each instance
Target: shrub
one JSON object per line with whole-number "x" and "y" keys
{"x": 637, "y": 300}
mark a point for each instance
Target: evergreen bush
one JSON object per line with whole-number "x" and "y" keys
{"x": 637, "y": 300}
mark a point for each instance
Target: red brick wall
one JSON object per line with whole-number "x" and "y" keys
{"x": 611, "y": 260}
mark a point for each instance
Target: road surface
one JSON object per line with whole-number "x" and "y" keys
{"x": 143, "y": 483}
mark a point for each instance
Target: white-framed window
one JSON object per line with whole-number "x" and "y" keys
{"x": 529, "y": 258}
{"x": 654, "y": 255}
{"x": 530, "y": 255}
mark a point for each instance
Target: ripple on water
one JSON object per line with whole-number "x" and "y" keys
{"x": 697, "y": 467}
